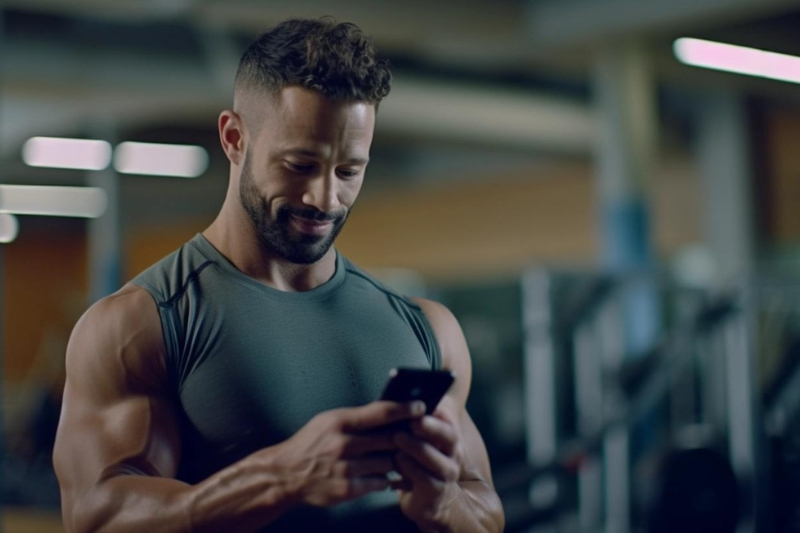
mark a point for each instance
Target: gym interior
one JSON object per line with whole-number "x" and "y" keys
{"x": 605, "y": 193}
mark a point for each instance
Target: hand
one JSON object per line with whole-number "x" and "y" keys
{"x": 430, "y": 461}
{"x": 343, "y": 454}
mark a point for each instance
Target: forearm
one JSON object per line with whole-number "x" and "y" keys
{"x": 243, "y": 497}
{"x": 475, "y": 509}
{"x": 240, "y": 498}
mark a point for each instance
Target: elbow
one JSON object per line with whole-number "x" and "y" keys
{"x": 86, "y": 510}
{"x": 90, "y": 513}
{"x": 74, "y": 521}
{"x": 494, "y": 517}
{"x": 497, "y": 513}
{"x": 487, "y": 508}
{"x": 499, "y": 518}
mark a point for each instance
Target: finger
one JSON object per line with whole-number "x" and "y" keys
{"x": 340, "y": 490}
{"x": 357, "y": 487}
{"x": 401, "y": 484}
{"x": 380, "y": 413}
{"x": 448, "y": 409}
{"x": 373, "y": 466}
{"x": 412, "y": 472}
{"x": 359, "y": 445}
{"x": 440, "y": 433}
{"x": 427, "y": 457}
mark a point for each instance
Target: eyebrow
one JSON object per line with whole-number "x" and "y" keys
{"x": 313, "y": 154}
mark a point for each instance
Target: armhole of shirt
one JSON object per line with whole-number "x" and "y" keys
{"x": 432, "y": 348}
{"x": 172, "y": 325}
{"x": 426, "y": 335}
{"x": 169, "y": 333}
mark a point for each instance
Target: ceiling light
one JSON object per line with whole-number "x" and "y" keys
{"x": 152, "y": 159}
{"x": 86, "y": 202}
{"x": 738, "y": 59}
{"x": 8, "y": 228}
{"x": 54, "y": 152}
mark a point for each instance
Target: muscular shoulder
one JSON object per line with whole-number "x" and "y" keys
{"x": 118, "y": 341}
{"x": 452, "y": 344}
{"x": 445, "y": 326}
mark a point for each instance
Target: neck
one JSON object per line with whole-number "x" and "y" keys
{"x": 233, "y": 235}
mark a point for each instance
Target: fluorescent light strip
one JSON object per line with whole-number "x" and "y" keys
{"x": 151, "y": 159}
{"x": 84, "y": 202}
{"x": 54, "y": 152}
{"x": 737, "y": 59}
{"x": 9, "y": 228}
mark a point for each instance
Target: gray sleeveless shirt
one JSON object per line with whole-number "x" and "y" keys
{"x": 249, "y": 365}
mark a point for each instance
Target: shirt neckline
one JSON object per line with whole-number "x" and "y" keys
{"x": 325, "y": 289}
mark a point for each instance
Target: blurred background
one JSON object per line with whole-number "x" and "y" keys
{"x": 605, "y": 192}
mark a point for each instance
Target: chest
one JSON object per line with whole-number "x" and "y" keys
{"x": 258, "y": 370}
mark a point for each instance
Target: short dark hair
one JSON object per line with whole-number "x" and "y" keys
{"x": 336, "y": 59}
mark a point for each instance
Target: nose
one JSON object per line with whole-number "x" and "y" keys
{"x": 322, "y": 192}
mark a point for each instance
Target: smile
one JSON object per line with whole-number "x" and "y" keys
{"x": 311, "y": 227}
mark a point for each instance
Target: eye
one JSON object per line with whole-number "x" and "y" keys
{"x": 347, "y": 173}
{"x": 299, "y": 168}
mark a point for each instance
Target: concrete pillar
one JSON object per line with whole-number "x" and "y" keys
{"x": 625, "y": 98}
{"x": 104, "y": 234}
{"x": 723, "y": 152}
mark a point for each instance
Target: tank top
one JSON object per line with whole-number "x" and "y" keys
{"x": 249, "y": 365}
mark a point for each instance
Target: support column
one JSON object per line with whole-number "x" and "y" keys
{"x": 104, "y": 234}
{"x": 723, "y": 151}
{"x": 625, "y": 96}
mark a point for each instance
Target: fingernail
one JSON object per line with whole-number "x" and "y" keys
{"x": 418, "y": 407}
{"x": 393, "y": 476}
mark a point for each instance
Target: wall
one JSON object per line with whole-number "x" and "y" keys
{"x": 44, "y": 291}
{"x": 779, "y": 178}
{"x": 478, "y": 227}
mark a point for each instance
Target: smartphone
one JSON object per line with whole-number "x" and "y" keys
{"x": 410, "y": 384}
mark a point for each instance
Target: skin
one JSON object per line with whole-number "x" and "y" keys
{"x": 118, "y": 446}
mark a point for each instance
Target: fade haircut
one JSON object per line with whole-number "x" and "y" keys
{"x": 337, "y": 60}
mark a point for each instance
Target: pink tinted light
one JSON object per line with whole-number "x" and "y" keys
{"x": 738, "y": 59}
{"x": 55, "y": 152}
{"x": 9, "y": 227}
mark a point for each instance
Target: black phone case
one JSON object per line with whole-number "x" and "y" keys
{"x": 410, "y": 384}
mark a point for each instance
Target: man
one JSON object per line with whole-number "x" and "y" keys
{"x": 232, "y": 386}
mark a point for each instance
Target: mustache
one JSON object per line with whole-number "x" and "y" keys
{"x": 311, "y": 213}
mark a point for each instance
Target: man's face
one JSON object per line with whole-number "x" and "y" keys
{"x": 302, "y": 173}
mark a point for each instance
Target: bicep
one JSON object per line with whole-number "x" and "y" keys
{"x": 455, "y": 356}
{"x": 133, "y": 434}
{"x": 116, "y": 417}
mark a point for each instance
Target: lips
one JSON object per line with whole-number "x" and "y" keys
{"x": 311, "y": 227}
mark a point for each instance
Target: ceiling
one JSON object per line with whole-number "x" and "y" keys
{"x": 475, "y": 80}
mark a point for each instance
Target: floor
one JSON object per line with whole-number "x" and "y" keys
{"x": 29, "y": 521}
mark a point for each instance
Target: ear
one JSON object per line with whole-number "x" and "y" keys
{"x": 232, "y": 136}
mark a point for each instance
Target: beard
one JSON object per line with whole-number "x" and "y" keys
{"x": 277, "y": 233}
